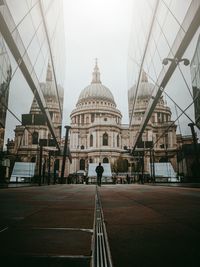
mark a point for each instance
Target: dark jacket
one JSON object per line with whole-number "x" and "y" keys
{"x": 99, "y": 170}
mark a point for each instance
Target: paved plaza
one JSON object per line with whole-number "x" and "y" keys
{"x": 146, "y": 225}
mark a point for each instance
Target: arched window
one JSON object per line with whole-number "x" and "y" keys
{"x": 105, "y": 160}
{"x": 82, "y": 147}
{"x": 90, "y": 160}
{"x": 82, "y": 164}
{"x": 91, "y": 140}
{"x": 117, "y": 140}
{"x": 35, "y": 138}
{"x": 105, "y": 139}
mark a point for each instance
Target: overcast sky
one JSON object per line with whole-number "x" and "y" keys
{"x": 102, "y": 29}
{"x": 97, "y": 29}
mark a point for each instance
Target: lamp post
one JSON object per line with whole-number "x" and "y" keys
{"x": 196, "y": 165}
{"x": 64, "y": 154}
{"x": 186, "y": 62}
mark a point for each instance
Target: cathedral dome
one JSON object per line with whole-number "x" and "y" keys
{"x": 96, "y": 90}
{"x": 145, "y": 88}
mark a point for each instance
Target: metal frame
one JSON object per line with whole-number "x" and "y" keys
{"x": 16, "y": 46}
{"x": 190, "y": 25}
{"x": 51, "y": 55}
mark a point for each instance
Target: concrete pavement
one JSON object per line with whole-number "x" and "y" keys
{"x": 152, "y": 226}
{"x": 146, "y": 225}
{"x": 47, "y": 226}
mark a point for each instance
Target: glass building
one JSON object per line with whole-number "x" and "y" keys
{"x": 32, "y": 42}
{"x": 5, "y": 77}
{"x": 195, "y": 75}
{"x": 163, "y": 34}
{"x": 162, "y": 44}
{"x": 33, "y": 32}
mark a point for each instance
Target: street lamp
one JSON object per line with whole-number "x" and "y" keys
{"x": 64, "y": 154}
{"x": 185, "y": 61}
{"x": 196, "y": 166}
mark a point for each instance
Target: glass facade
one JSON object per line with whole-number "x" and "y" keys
{"x": 195, "y": 75}
{"x": 158, "y": 31}
{"x": 5, "y": 77}
{"x": 33, "y": 33}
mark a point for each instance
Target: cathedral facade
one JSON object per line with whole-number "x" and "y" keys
{"x": 34, "y": 128}
{"x": 98, "y": 135}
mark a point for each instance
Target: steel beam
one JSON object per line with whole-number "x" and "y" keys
{"x": 51, "y": 55}
{"x": 14, "y": 41}
{"x": 190, "y": 25}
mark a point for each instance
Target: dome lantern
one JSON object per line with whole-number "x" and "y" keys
{"x": 96, "y": 74}
{"x": 144, "y": 77}
{"x": 49, "y": 77}
{"x": 96, "y": 91}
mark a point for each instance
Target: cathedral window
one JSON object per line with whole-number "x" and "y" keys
{"x": 105, "y": 160}
{"x": 82, "y": 119}
{"x": 91, "y": 140}
{"x": 35, "y": 138}
{"x": 92, "y": 117}
{"x": 82, "y": 164}
{"x": 90, "y": 160}
{"x": 105, "y": 139}
{"x": 82, "y": 147}
{"x": 117, "y": 140}
{"x": 159, "y": 116}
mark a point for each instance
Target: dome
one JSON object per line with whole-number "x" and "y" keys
{"x": 96, "y": 90}
{"x": 145, "y": 88}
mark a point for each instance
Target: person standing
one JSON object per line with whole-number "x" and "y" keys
{"x": 99, "y": 170}
{"x": 128, "y": 179}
